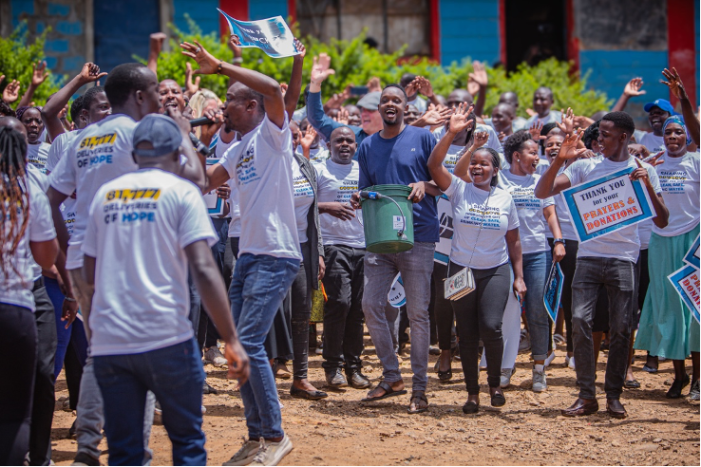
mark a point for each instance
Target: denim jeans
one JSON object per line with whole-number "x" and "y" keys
{"x": 416, "y": 266}
{"x": 618, "y": 278}
{"x": 175, "y": 375}
{"x": 260, "y": 283}
{"x": 535, "y": 272}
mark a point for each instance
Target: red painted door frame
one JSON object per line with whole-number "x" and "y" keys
{"x": 435, "y": 30}
{"x": 681, "y": 38}
{"x": 236, "y": 9}
{"x": 502, "y": 33}
{"x": 572, "y": 40}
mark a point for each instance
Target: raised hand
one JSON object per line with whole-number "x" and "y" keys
{"x": 40, "y": 74}
{"x": 480, "y": 139}
{"x": 301, "y": 48}
{"x": 283, "y": 88}
{"x": 308, "y": 138}
{"x": 581, "y": 121}
{"x": 156, "y": 41}
{"x": 633, "y": 87}
{"x": 535, "y": 130}
{"x": 413, "y": 87}
{"x": 479, "y": 76}
{"x": 234, "y": 44}
{"x": 321, "y": 68}
{"x": 90, "y": 72}
{"x": 11, "y": 92}
{"x": 674, "y": 82}
{"x": 459, "y": 121}
{"x": 655, "y": 159}
{"x": 337, "y": 100}
{"x": 567, "y": 125}
{"x": 425, "y": 86}
{"x": 434, "y": 116}
{"x": 569, "y": 150}
{"x": 374, "y": 84}
{"x": 208, "y": 64}
{"x": 191, "y": 87}
{"x": 342, "y": 116}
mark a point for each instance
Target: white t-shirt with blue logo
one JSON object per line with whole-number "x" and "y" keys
{"x": 304, "y": 198}
{"x": 337, "y": 183}
{"x": 679, "y": 179}
{"x": 101, "y": 153}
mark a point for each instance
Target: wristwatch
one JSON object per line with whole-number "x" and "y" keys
{"x": 559, "y": 240}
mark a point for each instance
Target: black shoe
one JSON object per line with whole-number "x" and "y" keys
{"x": 309, "y": 395}
{"x": 335, "y": 378}
{"x": 470, "y": 407}
{"x": 71, "y": 430}
{"x": 84, "y": 459}
{"x": 357, "y": 380}
{"x": 445, "y": 376}
{"x": 498, "y": 399}
{"x": 207, "y": 389}
{"x": 675, "y": 392}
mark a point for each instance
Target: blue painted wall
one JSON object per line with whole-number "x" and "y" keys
{"x": 203, "y": 12}
{"x": 469, "y": 29}
{"x": 261, "y": 9}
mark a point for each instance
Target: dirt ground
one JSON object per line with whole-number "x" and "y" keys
{"x": 528, "y": 430}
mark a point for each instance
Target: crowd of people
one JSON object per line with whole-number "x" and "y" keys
{"x": 122, "y": 225}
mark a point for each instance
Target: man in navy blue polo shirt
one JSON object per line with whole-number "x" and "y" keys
{"x": 397, "y": 155}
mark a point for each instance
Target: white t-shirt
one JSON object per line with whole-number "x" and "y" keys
{"x": 553, "y": 116}
{"x": 316, "y": 155}
{"x": 101, "y": 153}
{"x": 480, "y": 224}
{"x": 493, "y": 141}
{"x": 304, "y": 198}
{"x": 17, "y": 280}
{"x": 220, "y": 148}
{"x": 139, "y": 225}
{"x": 40, "y": 181}
{"x": 653, "y": 143}
{"x": 337, "y": 183}
{"x": 453, "y": 156}
{"x": 679, "y": 179}
{"x": 644, "y": 233}
{"x": 563, "y": 215}
{"x": 624, "y": 243}
{"x": 533, "y": 227}
{"x": 58, "y": 149}
{"x": 261, "y": 166}
{"x": 37, "y": 155}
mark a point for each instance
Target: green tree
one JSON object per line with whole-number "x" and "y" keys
{"x": 17, "y": 56}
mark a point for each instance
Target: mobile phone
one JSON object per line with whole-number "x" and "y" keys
{"x": 358, "y": 90}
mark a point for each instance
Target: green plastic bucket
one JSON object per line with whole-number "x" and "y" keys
{"x": 388, "y": 228}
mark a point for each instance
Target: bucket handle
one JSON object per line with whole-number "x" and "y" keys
{"x": 376, "y": 195}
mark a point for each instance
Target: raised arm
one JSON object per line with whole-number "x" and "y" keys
{"x": 479, "y": 77}
{"x": 155, "y": 46}
{"x": 50, "y": 112}
{"x": 550, "y": 184}
{"x": 295, "y": 86}
{"x": 458, "y": 122}
{"x": 267, "y": 86}
{"x": 632, "y": 89}
{"x": 461, "y": 169}
{"x": 315, "y": 109}
{"x": 38, "y": 76}
{"x": 676, "y": 86}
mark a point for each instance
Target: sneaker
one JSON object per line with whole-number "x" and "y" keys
{"x": 569, "y": 361}
{"x": 525, "y": 343}
{"x": 214, "y": 356}
{"x": 271, "y": 453}
{"x": 246, "y": 454}
{"x": 694, "y": 391}
{"x": 335, "y": 378}
{"x": 539, "y": 382}
{"x": 506, "y": 374}
{"x": 434, "y": 350}
{"x": 85, "y": 459}
{"x": 550, "y": 359}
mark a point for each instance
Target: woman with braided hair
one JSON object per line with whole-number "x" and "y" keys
{"x": 26, "y": 231}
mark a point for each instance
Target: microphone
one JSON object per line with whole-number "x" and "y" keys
{"x": 200, "y": 121}
{"x": 199, "y": 145}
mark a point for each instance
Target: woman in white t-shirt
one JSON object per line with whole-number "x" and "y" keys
{"x": 667, "y": 328}
{"x": 26, "y": 232}
{"x": 536, "y": 218}
{"x": 485, "y": 238}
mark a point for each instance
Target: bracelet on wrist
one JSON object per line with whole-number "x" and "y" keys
{"x": 219, "y": 68}
{"x": 70, "y": 299}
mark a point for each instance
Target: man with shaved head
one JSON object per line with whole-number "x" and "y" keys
{"x": 542, "y": 102}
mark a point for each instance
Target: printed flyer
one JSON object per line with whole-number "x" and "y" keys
{"x": 272, "y": 35}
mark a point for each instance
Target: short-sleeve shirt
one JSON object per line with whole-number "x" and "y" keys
{"x": 624, "y": 243}
{"x": 480, "y": 222}
{"x": 304, "y": 198}
{"x": 37, "y": 155}
{"x": 139, "y": 225}
{"x": 652, "y": 142}
{"x": 533, "y": 229}
{"x": 261, "y": 168}
{"x": 679, "y": 179}
{"x": 17, "y": 274}
{"x": 400, "y": 161}
{"x": 101, "y": 153}
{"x": 337, "y": 183}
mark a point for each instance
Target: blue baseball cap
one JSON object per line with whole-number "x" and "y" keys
{"x": 159, "y": 130}
{"x": 662, "y": 104}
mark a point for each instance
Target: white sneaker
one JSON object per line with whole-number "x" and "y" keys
{"x": 550, "y": 359}
{"x": 246, "y": 454}
{"x": 506, "y": 374}
{"x": 569, "y": 361}
{"x": 214, "y": 356}
{"x": 539, "y": 382}
{"x": 272, "y": 453}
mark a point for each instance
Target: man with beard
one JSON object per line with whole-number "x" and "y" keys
{"x": 397, "y": 155}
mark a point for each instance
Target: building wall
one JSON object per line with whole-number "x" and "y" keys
{"x": 469, "y": 29}
{"x": 203, "y": 12}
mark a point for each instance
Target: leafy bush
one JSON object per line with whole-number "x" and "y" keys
{"x": 16, "y": 59}
{"x": 355, "y": 62}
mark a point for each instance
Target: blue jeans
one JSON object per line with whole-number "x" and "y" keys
{"x": 535, "y": 272}
{"x": 175, "y": 375}
{"x": 259, "y": 285}
{"x": 63, "y": 335}
{"x": 416, "y": 266}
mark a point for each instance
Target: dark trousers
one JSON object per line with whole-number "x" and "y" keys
{"x": 343, "y": 312}
{"x": 479, "y": 315}
{"x": 207, "y": 334}
{"x": 618, "y": 279}
{"x": 301, "y": 295}
{"x": 44, "y": 397}
{"x": 18, "y": 350}
{"x": 442, "y": 309}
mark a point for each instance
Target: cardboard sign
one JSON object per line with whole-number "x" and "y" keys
{"x": 396, "y": 296}
{"x": 553, "y": 291}
{"x": 686, "y": 283}
{"x": 692, "y": 256}
{"x": 607, "y": 204}
{"x": 271, "y": 35}
{"x": 445, "y": 231}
